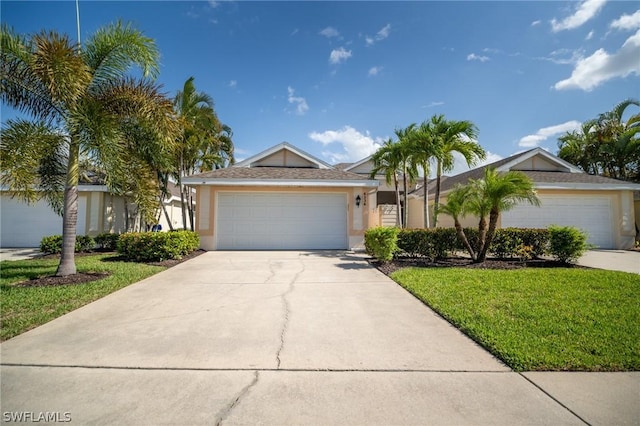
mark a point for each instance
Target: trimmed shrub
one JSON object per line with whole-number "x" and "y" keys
{"x": 436, "y": 243}
{"x": 567, "y": 243}
{"x": 381, "y": 242}
{"x": 157, "y": 246}
{"x": 52, "y": 244}
{"x": 107, "y": 241}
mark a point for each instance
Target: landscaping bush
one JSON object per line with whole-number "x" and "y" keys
{"x": 52, "y": 244}
{"x": 381, "y": 242}
{"x": 437, "y": 243}
{"x": 107, "y": 241}
{"x": 567, "y": 243}
{"x": 157, "y": 246}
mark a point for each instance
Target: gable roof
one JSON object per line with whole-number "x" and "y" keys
{"x": 251, "y": 173}
{"x": 569, "y": 178}
{"x": 287, "y": 147}
{"x": 358, "y": 163}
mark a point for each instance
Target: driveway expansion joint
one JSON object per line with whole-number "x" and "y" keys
{"x": 227, "y": 410}
{"x": 554, "y": 399}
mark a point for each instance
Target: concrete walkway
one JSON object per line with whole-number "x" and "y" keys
{"x": 19, "y": 253}
{"x": 613, "y": 260}
{"x": 284, "y": 338}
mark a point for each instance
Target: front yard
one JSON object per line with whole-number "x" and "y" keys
{"x": 24, "y": 308}
{"x": 539, "y": 318}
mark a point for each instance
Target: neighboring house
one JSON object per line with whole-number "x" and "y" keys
{"x": 601, "y": 206}
{"x": 24, "y": 225}
{"x": 283, "y": 198}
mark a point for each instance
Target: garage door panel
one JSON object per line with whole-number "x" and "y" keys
{"x": 591, "y": 214}
{"x": 281, "y": 221}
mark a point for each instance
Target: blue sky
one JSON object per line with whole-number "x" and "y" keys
{"x": 336, "y": 78}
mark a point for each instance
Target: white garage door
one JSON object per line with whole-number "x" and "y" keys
{"x": 285, "y": 221}
{"x": 23, "y": 225}
{"x": 591, "y": 214}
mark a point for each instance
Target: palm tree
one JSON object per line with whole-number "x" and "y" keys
{"x": 457, "y": 208}
{"x": 423, "y": 146}
{"x": 204, "y": 143}
{"x": 387, "y": 161}
{"x": 498, "y": 192}
{"x": 408, "y": 169}
{"x": 82, "y": 101}
{"x": 453, "y": 136}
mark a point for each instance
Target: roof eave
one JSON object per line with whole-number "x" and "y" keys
{"x": 282, "y": 182}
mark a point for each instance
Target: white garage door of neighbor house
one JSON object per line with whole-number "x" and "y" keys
{"x": 281, "y": 221}
{"x": 23, "y": 225}
{"x": 591, "y": 214}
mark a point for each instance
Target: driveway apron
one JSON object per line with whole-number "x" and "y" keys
{"x": 265, "y": 337}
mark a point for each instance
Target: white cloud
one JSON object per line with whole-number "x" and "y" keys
{"x": 601, "y": 66}
{"x": 589, "y": 36}
{"x": 329, "y": 32}
{"x": 299, "y": 102}
{"x": 233, "y": 83}
{"x": 355, "y": 145}
{"x": 375, "y": 70}
{"x": 531, "y": 141}
{"x": 380, "y": 35}
{"x": 339, "y": 55}
{"x": 491, "y": 50}
{"x": 534, "y": 23}
{"x": 213, "y": 3}
{"x": 433, "y": 104}
{"x": 564, "y": 56}
{"x": 474, "y": 57}
{"x": 627, "y": 22}
{"x": 584, "y": 12}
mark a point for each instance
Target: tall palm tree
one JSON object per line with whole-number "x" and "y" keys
{"x": 457, "y": 208}
{"x": 82, "y": 101}
{"x": 408, "y": 168}
{"x": 453, "y": 136}
{"x": 204, "y": 143}
{"x": 387, "y": 161}
{"x": 620, "y": 140}
{"x": 498, "y": 192}
{"x": 423, "y": 146}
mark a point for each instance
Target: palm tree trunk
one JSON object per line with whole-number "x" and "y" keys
{"x": 493, "y": 223}
{"x": 67, "y": 265}
{"x": 191, "y": 210}
{"x": 436, "y": 202}
{"x": 425, "y": 193}
{"x": 398, "y": 206}
{"x": 482, "y": 233}
{"x": 405, "y": 209}
{"x": 463, "y": 237}
{"x": 166, "y": 213}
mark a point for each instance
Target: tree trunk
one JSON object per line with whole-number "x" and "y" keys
{"x": 425, "y": 193}
{"x": 182, "y": 194}
{"x": 166, "y": 213}
{"x": 436, "y": 202}
{"x": 126, "y": 215}
{"x": 398, "y": 204}
{"x": 405, "y": 209}
{"x": 482, "y": 233}
{"x": 67, "y": 265}
{"x": 493, "y": 223}
{"x": 191, "y": 210}
{"x": 463, "y": 237}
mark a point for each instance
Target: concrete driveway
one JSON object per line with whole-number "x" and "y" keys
{"x": 280, "y": 338}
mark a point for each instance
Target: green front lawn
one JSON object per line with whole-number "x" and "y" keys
{"x": 24, "y": 308}
{"x": 539, "y": 319}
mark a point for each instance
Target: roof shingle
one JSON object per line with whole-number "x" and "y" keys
{"x": 278, "y": 173}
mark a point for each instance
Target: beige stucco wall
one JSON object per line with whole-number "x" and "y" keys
{"x": 623, "y": 212}
{"x": 358, "y": 220}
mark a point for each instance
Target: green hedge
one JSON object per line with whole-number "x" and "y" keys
{"x": 381, "y": 242}
{"x": 52, "y": 244}
{"x": 566, "y": 243}
{"x": 107, "y": 241}
{"x": 440, "y": 243}
{"x": 157, "y": 246}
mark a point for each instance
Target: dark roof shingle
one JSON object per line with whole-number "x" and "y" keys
{"x": 278, "y": 173}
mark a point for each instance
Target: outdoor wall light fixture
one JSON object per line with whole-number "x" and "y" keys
{"x": 358, "y": 199}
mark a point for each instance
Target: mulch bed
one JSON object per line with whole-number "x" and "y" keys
{"x": 461, "y": 262}
{"x": 82, "y": 278}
